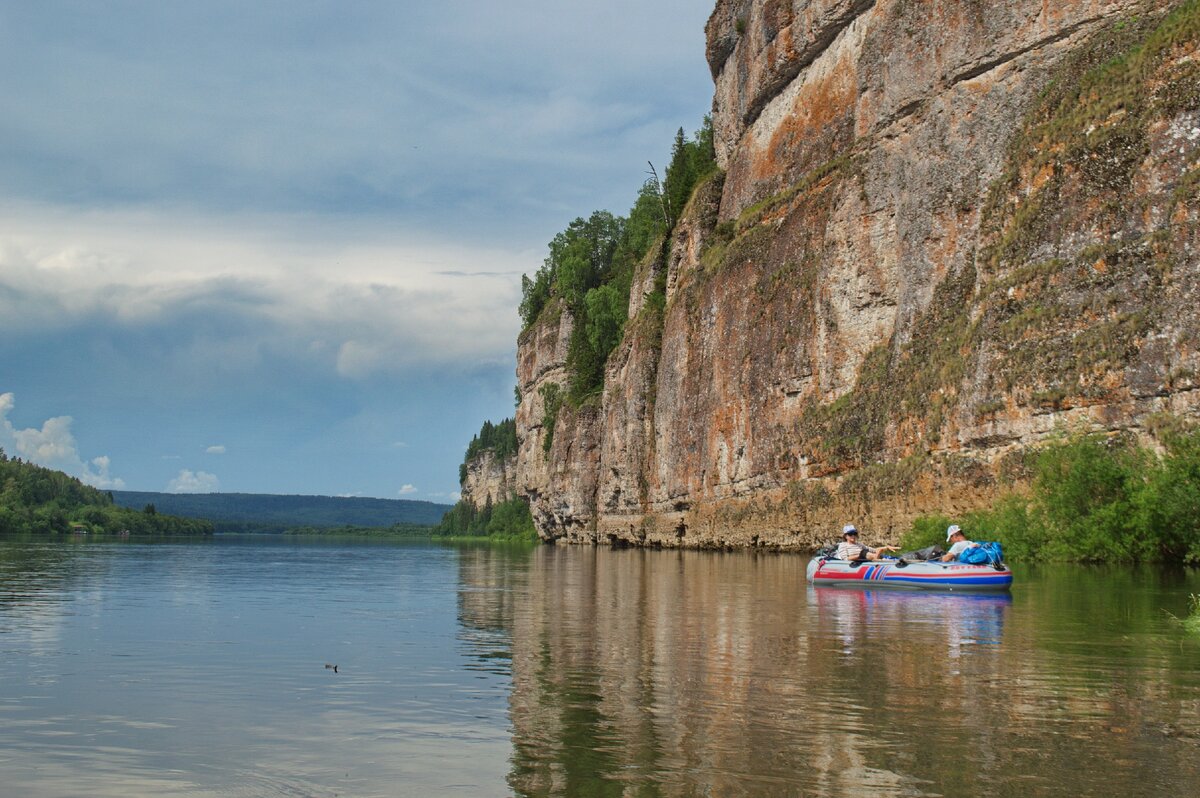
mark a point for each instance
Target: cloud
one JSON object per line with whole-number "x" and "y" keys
{"x": 54, "y": 446}
{"x": 317, "y": 223}
{"x": 407, "y": 490}
{"x": 452, "y": 273}
{"x": 193, "y": 482}
{"x": 215, "y": 450}
{"x": 496, "y": 109}
{"x": 218, "y": 297}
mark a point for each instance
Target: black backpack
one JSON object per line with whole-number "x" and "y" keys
{"x": 934, "y": 552}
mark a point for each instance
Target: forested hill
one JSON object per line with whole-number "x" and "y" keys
{"x": 259, "y": 512}
{"x": 37, "y": 500}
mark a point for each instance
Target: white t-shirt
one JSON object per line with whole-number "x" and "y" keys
{"x": 851, "y": 551}
{"x": 961, "y": 546}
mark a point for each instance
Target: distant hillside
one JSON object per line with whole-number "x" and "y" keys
{"x": 260, "y": 512}
{"x": 38, "y": 500}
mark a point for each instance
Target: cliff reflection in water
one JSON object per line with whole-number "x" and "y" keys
{"x": 681, "y": 673}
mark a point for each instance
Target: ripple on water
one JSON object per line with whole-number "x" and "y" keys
{"x": 199, "y": 671}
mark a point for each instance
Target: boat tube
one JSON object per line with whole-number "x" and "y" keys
{"x": 920, "y": 575}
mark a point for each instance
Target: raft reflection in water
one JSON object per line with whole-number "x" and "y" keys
{"x": 696, "y": 673}
{"x": 958, "y": 618}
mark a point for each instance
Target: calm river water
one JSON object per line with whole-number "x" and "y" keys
{"x": 199, "y": 669}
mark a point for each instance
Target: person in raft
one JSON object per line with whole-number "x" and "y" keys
{"x": 851, "y": 549}
{"x": 955, "y": 536}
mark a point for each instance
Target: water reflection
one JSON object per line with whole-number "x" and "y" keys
{"x": 687, "y": 673}
{"x": 197, "y": 670}
{"x": 491, "y": 581}
{"x": 963, "y": 619}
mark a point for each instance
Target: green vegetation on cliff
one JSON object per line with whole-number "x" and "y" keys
{"x": 591, "y": 264}
{"x": 500, "y": 439}
{"x": 37, "y": 500}
{"x": 508, "y": 520}
{"x": 1096, "y": 498}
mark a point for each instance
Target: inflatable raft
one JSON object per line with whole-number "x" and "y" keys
{"x": 933, "y": 575}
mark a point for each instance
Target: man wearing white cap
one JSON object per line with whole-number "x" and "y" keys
{"x": 955, "y": 534}
{"x": 851, "y": 549}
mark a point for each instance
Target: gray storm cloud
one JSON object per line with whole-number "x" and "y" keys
{"x": 388, "y": 308}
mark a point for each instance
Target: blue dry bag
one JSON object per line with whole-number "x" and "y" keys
{"x": 984, "y": 553}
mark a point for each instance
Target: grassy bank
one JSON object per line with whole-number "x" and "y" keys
{"x": 1095, "y": 498}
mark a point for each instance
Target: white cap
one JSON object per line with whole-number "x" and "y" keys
{"x": 849, "y": 529}
{"x": 951, "y": 530}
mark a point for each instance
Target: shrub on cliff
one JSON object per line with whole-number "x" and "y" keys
{"x": 500, "y": 439}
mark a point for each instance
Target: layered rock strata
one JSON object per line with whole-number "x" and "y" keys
{"x": 943, "y": 231}
{"x": 489, "y": 479}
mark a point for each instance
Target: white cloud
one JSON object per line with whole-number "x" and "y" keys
{"x": 349, "y": 299}
{"x": 98, "y": 476}
{"x": 193, "y": 482}
{"x": 53, "y": 446}
{"x": 215, "y": 450}
{"x": 407, "y": 490}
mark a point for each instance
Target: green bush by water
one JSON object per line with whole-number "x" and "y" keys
{"x": 508, "y": 520}
{"x": 1192, "y": 622}
{"x": 1095, "y": 498}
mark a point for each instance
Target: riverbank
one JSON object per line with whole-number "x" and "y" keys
{"x": 1093, "y": 497}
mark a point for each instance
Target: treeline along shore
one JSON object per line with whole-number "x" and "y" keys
{"x": 37, "y": 500}
{"x": 271, "y": 513}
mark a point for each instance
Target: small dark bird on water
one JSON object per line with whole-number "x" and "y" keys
{"x": 329, "y": 667}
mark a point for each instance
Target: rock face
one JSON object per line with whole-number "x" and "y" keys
{"x": 489, "y": 479}
{"x": 944, "y": 230}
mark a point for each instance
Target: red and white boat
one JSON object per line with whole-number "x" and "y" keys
{"x": 920, "y": 575}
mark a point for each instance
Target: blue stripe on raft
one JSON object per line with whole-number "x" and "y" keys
{"x": 999, "y": 579}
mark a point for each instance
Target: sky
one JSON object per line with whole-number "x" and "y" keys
{"x": 276, "y": 247}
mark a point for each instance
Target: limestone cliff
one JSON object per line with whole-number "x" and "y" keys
{"x": 489, "y": 479}
{"x": 944, "y": 228}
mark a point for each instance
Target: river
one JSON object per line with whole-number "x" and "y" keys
{"x": 199, "y": 668}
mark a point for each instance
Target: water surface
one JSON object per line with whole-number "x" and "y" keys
{"x": 198, "y": 669}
